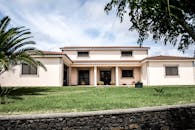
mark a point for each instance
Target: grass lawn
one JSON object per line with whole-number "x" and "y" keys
{"x": 71, "y": 99}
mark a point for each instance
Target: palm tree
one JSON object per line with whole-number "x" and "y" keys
{"x": 14, "y": 47}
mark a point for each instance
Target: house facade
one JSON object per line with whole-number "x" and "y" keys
{"x": 106, "y": 65}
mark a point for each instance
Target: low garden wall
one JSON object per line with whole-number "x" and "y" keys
{"x": 178, "y": 117}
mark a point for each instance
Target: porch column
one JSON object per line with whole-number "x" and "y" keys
{"x": 69, "y": 75}
{"x": 116, "y": 74}
{"x": 95, "y": 76}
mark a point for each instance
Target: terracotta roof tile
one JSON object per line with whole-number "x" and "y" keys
{"x": 161, "y": 57}
{"x": 52, "y": 53}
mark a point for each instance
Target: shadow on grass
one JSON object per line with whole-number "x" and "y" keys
{"x": 28, "y": 91}
{"x": 17, "y": 93}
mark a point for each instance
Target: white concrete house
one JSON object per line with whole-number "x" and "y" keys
{"x": 115, "y": 65}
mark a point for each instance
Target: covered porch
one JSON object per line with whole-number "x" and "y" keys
{"x": 104, "y": 74}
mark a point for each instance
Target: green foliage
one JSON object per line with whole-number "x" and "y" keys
{"x": 15, "y": 46}
{"x": 159, "y": 91}
{"x": 112, "y": 83}
{"x": 170, "y": 20}
{"x": 138, "y": 84}
{"x": 100, "y": 83}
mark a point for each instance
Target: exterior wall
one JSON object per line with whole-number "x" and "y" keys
{"x": 74, "y": 77}
{"x": 156, "y": 73}
{"x": 129, "y": 80}
{"x": 113, "y": 75}
{"x": 107, "y": 55}
{"x": 144, "y": 73}
{"x": 52, "y": 77}
{"x": 91, "y": 76}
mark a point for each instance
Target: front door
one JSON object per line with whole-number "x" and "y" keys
{"x": 83, "y": 77}
{"x": 105, "y": 76}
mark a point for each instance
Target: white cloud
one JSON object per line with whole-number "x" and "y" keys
{"x": 55, "y": 24}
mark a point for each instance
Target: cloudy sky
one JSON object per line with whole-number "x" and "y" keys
{"x": 58, "y": 23}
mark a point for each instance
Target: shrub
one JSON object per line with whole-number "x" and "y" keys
{"x": 100, "y": 83}
{"x": 112, "y": 83}
{"x": 83, "y": 82}
{"x": 138, "y": 84}
{"x": 159, "y": 91}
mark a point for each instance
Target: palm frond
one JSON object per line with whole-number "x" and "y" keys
{"x": 36, "y": 52}
{"x": 15, "y": 33}
{"x": 24, "y": 50}
{"x": 6, "y": 35}
{"x": 41, "y": 65}
{"x": 26, "y": 58}
{"x": 19, "y": 41}
{"x": 13, "y": 37}
{"x": 4, "y": 23}
{"x": 20, "y": 46}
{"x": 14, "y": 47}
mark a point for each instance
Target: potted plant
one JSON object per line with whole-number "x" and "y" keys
{"x": 100, "y": 83}
{"x": 138, "y": 84}
{"x": 82, "y": 82}
{"x": 112, "y": 83}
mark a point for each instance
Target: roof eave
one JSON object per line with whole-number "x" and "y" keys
{"x": 76, "y": 48}
{"x": 145, "y": 60}
{"x": 53, "y": 56}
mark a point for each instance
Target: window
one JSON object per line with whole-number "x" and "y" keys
{"x": 126, "y": 53}
{"x": 28, "y": 70}
{"x": 83, "y": 54}
{"x": 171, "y": 70}
{"x": 127, "y": 73}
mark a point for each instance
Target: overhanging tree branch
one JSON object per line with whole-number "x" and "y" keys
{"x": 166, "y": 19}
{"x": 186, "y": 27}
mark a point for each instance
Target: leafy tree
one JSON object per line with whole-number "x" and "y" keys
{"x": 170, "y": 20}
{"x": 14, "y": 47}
